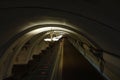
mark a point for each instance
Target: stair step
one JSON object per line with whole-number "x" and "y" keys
{"x": 19, "y": 68}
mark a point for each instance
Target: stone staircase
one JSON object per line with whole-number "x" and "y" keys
{"x": 39, "y": 68}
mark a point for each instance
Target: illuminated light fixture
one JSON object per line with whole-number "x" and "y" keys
{"x": 49, "y": 39}
{"x": 44, "y": 22}
{"x": 54, "y": 38}
{"x": 58, "y": 37}
{"x": 39, "y": 30}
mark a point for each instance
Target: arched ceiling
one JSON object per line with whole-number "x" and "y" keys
{"x": 98, "y": 20}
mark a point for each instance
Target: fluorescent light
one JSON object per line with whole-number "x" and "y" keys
{"x": 43, "y": 29}
{"x": 54, "y": 38}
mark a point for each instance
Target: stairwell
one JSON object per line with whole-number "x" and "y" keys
{"x": 39, "y": 68}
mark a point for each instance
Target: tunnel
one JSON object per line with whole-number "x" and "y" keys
{"x": 78, "y": 45}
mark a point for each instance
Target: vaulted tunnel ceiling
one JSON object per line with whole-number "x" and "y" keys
{"x": 98, "y": 20}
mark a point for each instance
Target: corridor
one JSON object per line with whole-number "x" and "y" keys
{"x": 47, "y": 65}
{"x": 30, "y": 30}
